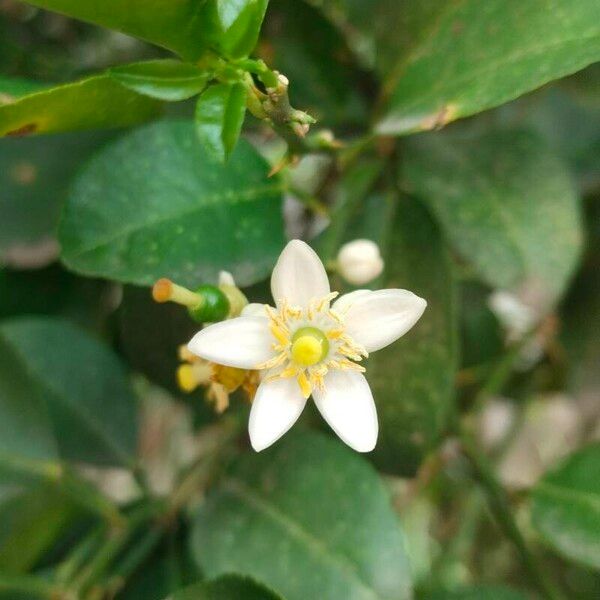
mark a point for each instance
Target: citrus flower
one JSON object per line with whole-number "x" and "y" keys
{"x": 307, "y": 345}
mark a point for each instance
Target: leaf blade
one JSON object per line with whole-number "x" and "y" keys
{"x": 274, "y": 497}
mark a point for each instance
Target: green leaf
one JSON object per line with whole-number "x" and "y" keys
{"x": 470, "y": 58}
{"x": 228, "y": 587}
{"x": 355, "y": 184}
{"x": 413, "y": 379}
{"x": 34, "y": 176}
{"x": 32, "y": 519}
{"x": 566, "y": 507}
{"x": 230, "y": 10}
{"x": 169, "y": 80}
{"x": 67, "y": 391}
{"x": 93, "y": 103}
{"x": 168, "y": 210}
{"x": 187, "y": 27}
{"x": 239, "y": 39}
{"x": 483, "y": 592}
{"x": 183, "y": 26}
{"x": 310, "y": 518}
{"x": 220, "y": 115}
{"x": 315, "y": 58}
{"x": 506, "y": 203}
{"x": 15, "y": 87}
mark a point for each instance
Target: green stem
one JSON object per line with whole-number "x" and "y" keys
{"x": 115, "y": 542}
{"x": 136, "y": 556}
{"x": 500, "y": 506}
{"x": 79, "y": 491}
{"x": 29, "y": 584}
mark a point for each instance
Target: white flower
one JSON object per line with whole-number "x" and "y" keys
{"x": 359, "y": 261}
{"x": 307, "y": 346}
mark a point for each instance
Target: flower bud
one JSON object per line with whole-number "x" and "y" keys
{"x": 359, "y": 261}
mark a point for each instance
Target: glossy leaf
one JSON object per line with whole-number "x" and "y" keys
{"x": 169, "y": 210}
{"x": 230, "y": 10}
{"x": 413, "y": 378}
{"x": 183, "y": 26}
{"x": 93, "y": 103}
{"x": 228, "y": 587}
{"x": 566, "y": 507}
{"x": 187, "y": 27}
{"x": 63, "y": 390}
{"x": 34, "y": 177}
{"x": 470, "y": 58}
{"x": 220, "y": 115}
{"x": 308, "y": 517}
{"x": 169, "y": 80}
{"x": 506, "y": 203}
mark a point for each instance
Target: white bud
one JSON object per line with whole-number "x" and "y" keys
{"x": 359, "y": 261}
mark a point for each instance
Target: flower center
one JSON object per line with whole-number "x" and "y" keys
{"x": 309, "y": 346}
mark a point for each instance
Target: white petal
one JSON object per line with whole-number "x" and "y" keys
{"x": 245, "y": 342}
{"x": 379, "y": 318}
{"x": 343, "y": 303}
{"x": 299, "y": 275}
{"x": 276, "y": 407}
{"x": 347, "y": 405}
{"x": 254, "y": 309}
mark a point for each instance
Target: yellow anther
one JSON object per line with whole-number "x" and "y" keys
{"x": 187, "y": 378}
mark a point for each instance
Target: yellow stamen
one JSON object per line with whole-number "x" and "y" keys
{"x": 304, "y": 384}
{"x": 280, "y": 334}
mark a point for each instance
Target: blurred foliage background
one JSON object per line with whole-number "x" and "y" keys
{"x": 485, "y": 483}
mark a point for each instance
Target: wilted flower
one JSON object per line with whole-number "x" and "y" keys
{"x": 220, "y": 381}
{"x": 307, "y": 346}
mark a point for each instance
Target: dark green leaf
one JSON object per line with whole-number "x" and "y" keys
{"x": 34, "y": 176}
{"x": 353, "y": 187}
{"x": 79, "y": 398}
{"x": 566, "y": 507}
{"x": 308, "y": 517}
{"x": 220, "y": 115}
{"x": 228, "y": 587}
{"x": 484, "y": 592}
{"x": 506, "y": 203}
{"x": 315, "y": 58}
{"x": 169, "y": 80}
{"x": 471, "y": 57}
{"x": 154, "y": 205}
{"x": 93, "y": 103}
{"x": 413, "y": 379}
